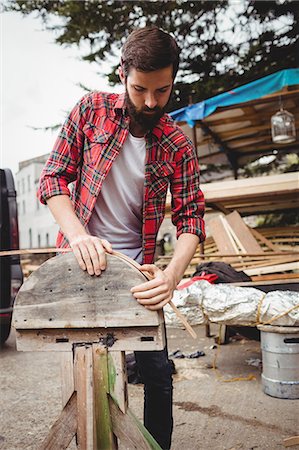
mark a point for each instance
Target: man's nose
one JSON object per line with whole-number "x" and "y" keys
{"x": 150, "y": 101}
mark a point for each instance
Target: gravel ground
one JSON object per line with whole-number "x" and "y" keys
{"x": 209, "y": 414}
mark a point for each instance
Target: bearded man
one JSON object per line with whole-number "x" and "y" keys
{"x": 121, "y": 152}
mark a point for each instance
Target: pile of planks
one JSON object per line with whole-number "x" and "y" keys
{"x": 263, "y": 252}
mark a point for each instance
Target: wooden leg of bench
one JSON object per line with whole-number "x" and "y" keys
{"x": 83, "y": 377}
{"x": 67, "y": 376}
{"x": 103, "y": 426}
{"x": 130, "y": 430}
{"x": 91, "y": 383}
{"x": 118, "y": 380}
{"x": 64, "y": 429}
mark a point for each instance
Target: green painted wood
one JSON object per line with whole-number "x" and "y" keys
{"x": 103, "y": 425}
{"x": 129, "y": 430}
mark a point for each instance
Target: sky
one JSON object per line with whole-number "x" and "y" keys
{"x": 38, "y": 87}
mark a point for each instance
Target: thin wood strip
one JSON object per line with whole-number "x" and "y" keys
{"x": 291, "y": 277}
{"x": 150, "y": 277}
{"x": 33, "y": 251}
{"x": 289, "y": 442}
{"x": 233, "y": 235}
{"x": 272, "y": 269}
{"x": 183, "y": 320}
{"x": 233, "y": 255}
{"x": 263, "y": 239}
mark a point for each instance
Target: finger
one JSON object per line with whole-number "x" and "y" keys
{"x": 155, "y": 301}
{"x": 101, "y": 253}
{"x": 146, "y": 286}
{"x": 151, "y": 268}
{"x": 151, "y": 293}
{"x": 87, "y": 260}
{"x": 158, "y": 305}
{"x": 107, "y": 246}
{"x": 78, "y": 257}
{"x": 94, "y": 257}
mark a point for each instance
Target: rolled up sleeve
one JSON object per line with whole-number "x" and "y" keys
{"x": 62, "y": 165}
{"x": 187, "y": 197}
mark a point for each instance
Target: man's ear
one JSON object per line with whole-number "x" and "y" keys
{"x": 121, "y": 75}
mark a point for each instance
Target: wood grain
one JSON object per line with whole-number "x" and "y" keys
{"x": 61, "y": 295}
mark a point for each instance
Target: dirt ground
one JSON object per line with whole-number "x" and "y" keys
{"x": 209, "y": 413}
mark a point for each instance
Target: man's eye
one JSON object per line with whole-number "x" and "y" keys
{"x": 162, "y": 90}
{"x": 138, "y": 89}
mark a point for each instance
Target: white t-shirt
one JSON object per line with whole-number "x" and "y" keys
{"x": 117, "y": 215}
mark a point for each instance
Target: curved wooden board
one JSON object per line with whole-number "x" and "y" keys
{"x": 61, "y": 295}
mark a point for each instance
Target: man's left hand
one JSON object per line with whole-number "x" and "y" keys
{"x": 156, "y": 293}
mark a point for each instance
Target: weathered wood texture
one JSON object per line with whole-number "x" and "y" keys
{"x": 130, "y": 431}
{"x": 118, "y": 379}
{"x": 67, "y": 376}
{"x": 117, "y": 339}
{"x": 103, "y": 427}
{"x": 83, "y": 374}
{"x": 64, "y": 429}
{"x": 60, "y": 295}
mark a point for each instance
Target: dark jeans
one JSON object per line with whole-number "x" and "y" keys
{"x": 156, "y": 374}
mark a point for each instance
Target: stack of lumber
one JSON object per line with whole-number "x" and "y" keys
{"x": 258, "y": 195}
{"x": 263, "y": 252}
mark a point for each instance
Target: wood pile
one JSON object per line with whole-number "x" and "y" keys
{"x": 278, "y": 255}
{"x": 258, "y": 195}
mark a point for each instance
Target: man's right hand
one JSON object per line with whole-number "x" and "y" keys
{"x": 90, "y": 252}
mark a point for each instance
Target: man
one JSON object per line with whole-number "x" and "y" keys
{"x": 122, "y": 152}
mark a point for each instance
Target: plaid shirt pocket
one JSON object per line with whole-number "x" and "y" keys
{"x": 95, "y": 143}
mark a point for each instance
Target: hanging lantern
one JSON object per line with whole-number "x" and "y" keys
{"x": 283, "y": 127}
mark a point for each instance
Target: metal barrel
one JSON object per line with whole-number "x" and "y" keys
{"x": 280, "y": 353}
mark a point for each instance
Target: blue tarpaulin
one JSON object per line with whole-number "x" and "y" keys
{"x": 251, "y": 91}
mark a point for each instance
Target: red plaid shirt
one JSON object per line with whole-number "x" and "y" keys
{"x": 86, "y": 147}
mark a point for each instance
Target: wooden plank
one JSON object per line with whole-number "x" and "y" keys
{"x": 61, "y": 295}
{"x": 232, "y": 235}
{"x": 85, "y": 400}
{"x": 276, "y": 280}
{"x": 64, "y": 429}
{"x": 243, "y": 233}
{"x": 263, "y": 239}
{"x": 272, "y": 269}
{"x": 282, "y": 276}
{"x": 130, "y": 431}
{"x": 67, "y": 376}
{"x": 119, "y": 339}
{"x": 167, "y": 258}
{"x": 118, "y": 380}
{"x": 289, "y": 442}
{"x": 221, "y": 236}
{"x": 104, "y": 438}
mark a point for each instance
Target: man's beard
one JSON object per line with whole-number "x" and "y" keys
{"x": 147, "y": 122}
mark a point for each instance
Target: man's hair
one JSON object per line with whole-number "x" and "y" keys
{"x": 148, "y": 49}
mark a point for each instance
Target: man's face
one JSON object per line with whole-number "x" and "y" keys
{"x": 147, "y": 94}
